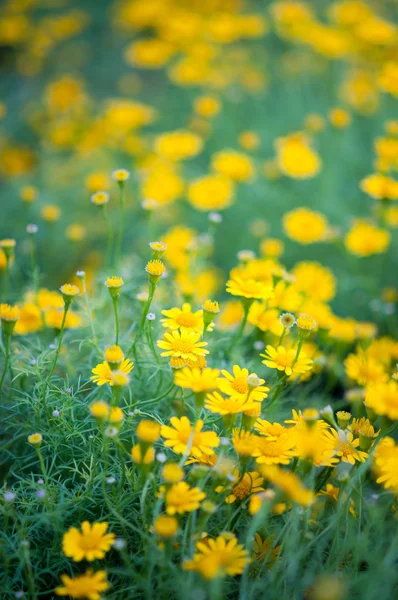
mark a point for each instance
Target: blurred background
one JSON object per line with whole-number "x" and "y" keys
{"x": 86, "y": 88}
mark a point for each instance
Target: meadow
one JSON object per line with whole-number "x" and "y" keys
{"x": 198, "y": 288}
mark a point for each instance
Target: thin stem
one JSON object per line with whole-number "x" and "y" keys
{"x": 152, "y": 287}
{"x": 34, "y": 266}
{"x": 114, "y": 300}
{"x": 6, "y": 279}
{"x": 151, "y": 342}
{"x": 88, "y": 310}
{"x": 239, "y": 333}
{"x": 7, "y": 358}
{"x": 121, "y": 222}
{"x": 61, "y": 335}
{"x": 109, "y": 230}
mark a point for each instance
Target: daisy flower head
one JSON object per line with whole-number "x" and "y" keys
{"x": 184, "y": 344}
{"x": 148, "y": 431}
{"x": 100, "y": 410}
{"x": 114, "y": 356}
{"x": 239, "y": 384}
{"x": 181, "y": 498}
{"x": 90, "y": 585}
{"x": 100, "y": 198}
{"x": 120, "y": 175}
{"x": 232, "y": 405}
{"x": 180, "y": 433}
{"x": 35, "y": 439}
{"x": 9, "y": 313}
{"x": 346, "y": 447}
{"x": 287, "y": 320}
{"x": 183, "y": 318}
{"x": 249, "y": 288}
{"x": 158, "y": 249}
{"x": 197, "y": 380}
{"x": 103, "y": 374}
{"x": 165, "y": 526}
{"x": 91, "y": 543}
{"x": 114, "y": 285}
{"x": 286, "y": 360}
{"x": 155, "y": 269}
{"x": 69, "y": 291}
{"x": 218, "y": 557}
{"x": 305, "y": 324}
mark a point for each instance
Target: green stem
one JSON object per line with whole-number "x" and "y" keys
{"x": 6, "y": 279}
{"x": 121, "y": 222}
{"x": 109, "y": 231}
{"x": 7, "y": 358}
{"x": 239, "y": 333}
{"x": 61, "y": 335}
{"x": 152, "y": 288}
{"x": 88, "y": 310}
{"x": 114, "y": 300}
{"x": 151, "y": 342}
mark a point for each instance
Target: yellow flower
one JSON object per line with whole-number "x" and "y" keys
{"x": 28, "y": 193}
{"x": 289, "y": 484}
{"x": 183, "y": 319}
{"x": 218, "y": 557}
{"x": 380, "y": 187}
{"x": 238, "y": 385}
{"x": 50, "y": 213}
{"x": 249, "y": 140}
{"x": 9, "y": 313}
{"x": 270, "y": 451}
{"x": 382, "y": 398}
{"x": 386, "y": 464}
{"x": 388, "y": 78}
{"x": 155, "y": 268}
{"x": 250, "y": 483}
{"x": 181, "y": 498}
{"x": 114, "y": 282}
{"x": 339, "y": 117}
{"x": 114, "y": 355}
{"x": 149, "y": 53}
{"x": 100, "y": 198}
{"x": 178, "y": 145}
{"x": 229, "y": 406}
{"x": 90, "y": 585}
{"x": 91, "y": 543}
{"x": 69, "y": 290}
{"x": 142, "y": 456}
{"x": 296, "y": 158}
{"x": 148, "y": 431}
{"x": 178, "y": 436}
{"x": 364, "y": 369}
{"x": 306, "y": 323}
{"x": 184, "y": 344}
{"x": 197, "y": 380}
{"x": 315, "y": 281}
{"x": 166, "y": 526}
{"x": 53, "y": 318}
{"x": 103, "y": 374}
{"x": 116, "y": 415}
{"x": 172, "y": 473}
{"x": 345, "y": 446}
{"x": 234, "y": 165}
{"x": 211, "y": 192}
{"x": 30, "y": 319}
{"x": 100, "y": 410}
{"x": 365, "y": 239}
{"x": 249, "y": 288}
{"x": 305, "y": 226}
{"x": 120, "y": 175}
{"x": 284, "y": 359}
{"x": 207, "y": 106}
{"x": 35, "y": 439}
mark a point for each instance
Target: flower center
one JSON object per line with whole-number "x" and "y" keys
{"x": 186, "y": 320}
{"x": 183, "y": 347}
{"x": 240, "y": 385}
{"x": 243, "y": 489}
